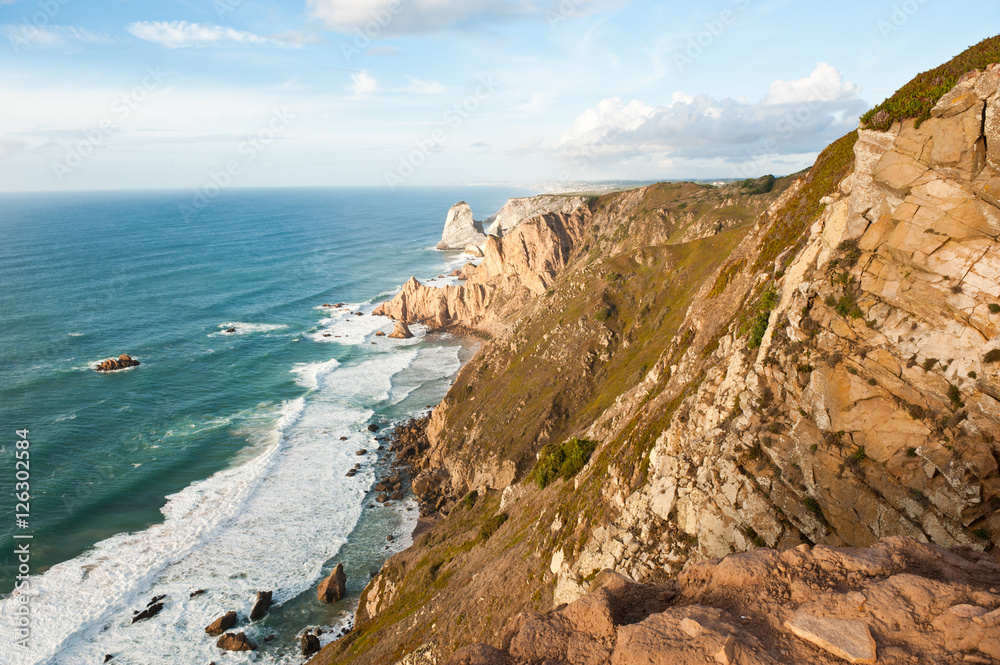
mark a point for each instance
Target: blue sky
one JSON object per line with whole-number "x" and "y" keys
{"x": 120, "y": 94}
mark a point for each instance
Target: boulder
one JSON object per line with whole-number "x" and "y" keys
{"x": 334, "y": 586}
{"x": 380, "y": 334}
{"x": 401, "y": 331}
{"x": 235, "y": 642}
{"x": 310, "y": 644}
{"x": 460, "y": 229}
{"x": 845, "y": 638}
{"x": 148, "y": 613}
{"x": 124, "y": 361}
{"x": 373, "y": 428}
{"x": 222, "y": 624}
{"x": 261, "y": 606}
{"x": 230, "y": 331}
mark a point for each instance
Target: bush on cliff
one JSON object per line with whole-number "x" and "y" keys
{"x": 562, "y": 460}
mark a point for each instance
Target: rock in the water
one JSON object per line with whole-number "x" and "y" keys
{"x": 230, "y": 331}
{"x": 848, "y": 639}
{"x": 460, "y": 229}
{"x": 148, "y": 613}
{"x": 334, "y": 586}
{"x": 373, "y": 428}
{"x": 124, "y": 361}
{"x": 195, "y": 594}
{"x": 222, "y": 624}
{"x": 401, "y": 331}
{"x": 380, "y": 334}
{"x": 310, "y": 644}
{"x": 261, "y": 606}
{"x": 235, "y": 642}
{"x": 363, "y": 451}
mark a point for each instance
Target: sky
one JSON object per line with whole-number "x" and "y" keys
{"x": 150, "y": 94}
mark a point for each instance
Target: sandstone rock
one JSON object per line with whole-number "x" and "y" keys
{"x": 373, "y": 427}
{"x": 460, "y": 229}
{"x": 124, "y": 361}
{"x": 222, "y": 624}
{"x": 261, "y": 605}
{"x": 380, "y": 334}
{"x": 479, "y": 654}
{"x": 235, "y": 642}
{"x": 850, "y": 640}
{"x": 474, "y": 250}
{"x": 401, "y": 331}
{"x": 309, "y": 644}
{"x": 334, "y": 586}
{"x": 516, "y": 211}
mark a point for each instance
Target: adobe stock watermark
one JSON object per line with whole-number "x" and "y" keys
{"x": 584, "y": 158}
{"x": 96, "y": 137}
{"x": 712, "y": 30}
{"x": 900, "y": 16}
{"x": 371, "y": 30}
{"x": 451, "y": 120}
{"x": 223, "y": 7}
{"x": 30, "y": 27}
{"x": 566, "y": 10}
{"x": 222, "y": 178}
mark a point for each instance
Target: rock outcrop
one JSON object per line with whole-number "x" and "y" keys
{"x": 516, "y": 211}
{"x": 334, "y": 586}
{"x": 896, "y": 602}
{"x": 124, "y": 361}
{"x": 401, "y": 331}
{"x": 235, "y": 642}
{"x": 222, "y": 624}
{"x": 261, "y": 605}
{"x": 460, "y": 229}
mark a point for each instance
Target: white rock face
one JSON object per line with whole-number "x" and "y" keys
{"x": 460, "y": 229}
{"x": 516, "y": 211}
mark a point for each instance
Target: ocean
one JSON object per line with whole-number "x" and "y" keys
{"x": 217, "y": 464}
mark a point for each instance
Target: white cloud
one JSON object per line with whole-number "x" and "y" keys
{"x": 181, "y": 34}
{"x": 52, "y": 36}
{"x": 795, "y": 117}
{"x": 399, "y": 17}
{"x": 363, "y": 85}
{"x": 825, "y": 84}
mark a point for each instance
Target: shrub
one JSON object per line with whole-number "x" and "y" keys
{"x": 992, "y": 356}
{"x": 812, "y": 505}
{"x": 981, "y": 533}
{"x": 469, "y": 500}
{"x": 563, "y": 460}
{"x": 911, "y": 452}
{"x": 973, "y": 375}
{"x": 848, "y": 306}
{"x": 759, "y": 325}
{"x": 994, "y": 308}
{"x": 491, "y": 525}
{"x": 929, "y": 364}
{"x": 955, "y": 395}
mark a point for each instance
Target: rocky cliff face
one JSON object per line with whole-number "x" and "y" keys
{"x": 817, "y": 365}
{"x": 516, "y": 211}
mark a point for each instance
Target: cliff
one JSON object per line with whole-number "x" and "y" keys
{"x": 677, "y": 374}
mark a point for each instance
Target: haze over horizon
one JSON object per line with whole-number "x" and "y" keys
{"x": 274, "y": 93}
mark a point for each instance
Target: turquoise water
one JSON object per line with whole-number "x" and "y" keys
{"x": 217, "y": 464}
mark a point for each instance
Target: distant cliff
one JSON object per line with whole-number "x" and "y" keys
{"x": 679, "y": 373}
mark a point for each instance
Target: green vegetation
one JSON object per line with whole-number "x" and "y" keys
{"x": 992, "y": 356}
{"x": 994, "y": 308}
{"x": 918, "y": 97}
{"x": 955, "y": 395}
{"x": 491, "y": 525}
{"x": 847, "y": 306}
{"x": 469, "y": 500}
{"x": 562, "y": 460}
{"x": 792, "y": 221}
{"x": 981, "y": 533}
{"x": 726, "y": 276}
{"x": 761, "y": 185}
{"x": 929, "y": 364}
{"x": 758, "y": 325}
{"x": 850, "y": 254}
{"x": 812, "y": 505}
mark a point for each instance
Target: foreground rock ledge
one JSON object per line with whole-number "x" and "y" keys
{"x": 895, "y": 603}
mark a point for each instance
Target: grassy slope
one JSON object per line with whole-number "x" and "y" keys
{"x": 918, "y": 97}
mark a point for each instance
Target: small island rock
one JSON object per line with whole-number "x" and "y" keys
{"x": 334, "y": 586}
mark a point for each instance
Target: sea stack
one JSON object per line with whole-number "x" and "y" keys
{"x": 460, "y": 229}
{"x": 334, "y": 586}
{"x": 401, "y": 331}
